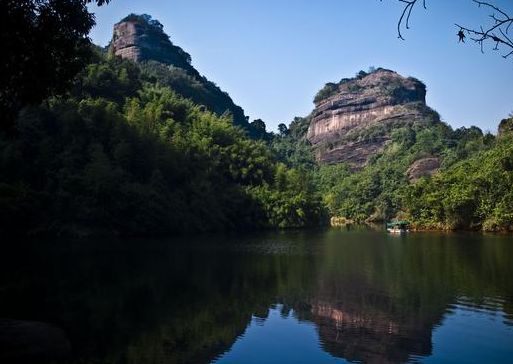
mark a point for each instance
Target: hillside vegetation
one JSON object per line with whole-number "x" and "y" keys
{"x": 472, "y": 189}
{"x": 94, "y": 144}
{"x": 122, "y": 153}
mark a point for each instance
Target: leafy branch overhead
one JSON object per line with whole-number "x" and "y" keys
{"x": 496, "y": 33}
{"x": 46, "y": 44}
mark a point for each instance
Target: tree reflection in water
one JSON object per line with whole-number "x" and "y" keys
{"x": 372, "y": 297}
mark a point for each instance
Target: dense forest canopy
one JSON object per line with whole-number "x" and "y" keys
{"x": 122, "y": 154}
{"x": 472, "y": 190}
{"x": 101, "y": 145}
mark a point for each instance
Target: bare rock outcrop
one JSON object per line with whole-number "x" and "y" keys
{"x": 424, "y": 167}
{"x": 352, "y": 120}
{"x": 140, "y": 38}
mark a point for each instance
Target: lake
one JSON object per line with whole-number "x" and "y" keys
{"x": 322, "y": 296}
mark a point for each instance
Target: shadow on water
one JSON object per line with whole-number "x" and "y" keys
{"x": 370, "y": 297}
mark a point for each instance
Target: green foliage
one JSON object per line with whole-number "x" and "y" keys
{"x": 115, "y": 80}
{"x": 377, "y": 192}
{"x": 327, "y": 91}
{"x": 361, "y": 74}
{"x": 299, "y": 127}
{"x": 45, "y": 44}
{"x": 290, "y": 200}
{"x": 143, "y": 18}
{"x": 506, "y": 126}
{"x": 291, "y": 148}
{"x": 189, "y": 84}
{"x": 155, "y": 148}
{"x": 157, "y": 45}
{"x": 283, "y": 130}
{"x": 472, "y": 190}
{"x": 257, "y": 129}
{"x": 125, "y": 156}
{"x": 473, "y": 193}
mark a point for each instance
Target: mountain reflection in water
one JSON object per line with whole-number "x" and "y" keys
{"x": 321, "y": 296}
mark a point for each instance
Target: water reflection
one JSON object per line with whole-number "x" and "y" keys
{"x": 331, "y": 295}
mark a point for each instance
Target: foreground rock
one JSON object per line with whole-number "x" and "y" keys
{"x": 32, "y": 342}
{"x": 353, "y": 119}
{"x": 425, "y": 167}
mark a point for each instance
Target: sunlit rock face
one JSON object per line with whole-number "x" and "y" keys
{"x": 424, "y": 167}
{"x": 353, "y": 120}
{"x": 139, "y": 38}
{"x": 126, "y": 41}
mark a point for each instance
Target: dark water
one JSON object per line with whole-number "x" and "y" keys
{"x": 331, "y": 296}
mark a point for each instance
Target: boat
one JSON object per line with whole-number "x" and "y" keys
{"x": 398, "y": 227}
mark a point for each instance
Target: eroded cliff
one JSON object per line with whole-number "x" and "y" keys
{"x": 141, "y": 39}
{"x": 353, "y": 119}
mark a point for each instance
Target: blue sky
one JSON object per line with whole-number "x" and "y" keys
{"x": 272, "y": 56}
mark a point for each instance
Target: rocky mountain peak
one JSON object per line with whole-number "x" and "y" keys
{"x": 352, "y": 119}
{"x": 140, "y": 38}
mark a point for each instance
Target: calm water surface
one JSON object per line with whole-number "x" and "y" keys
{"x": 332, "y": 296}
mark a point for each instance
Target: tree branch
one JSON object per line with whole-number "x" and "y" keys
{"x": 404, "y": 20}
{"x": 497, "y": 33}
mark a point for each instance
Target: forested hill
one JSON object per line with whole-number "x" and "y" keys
{"x": 121, "y": 150}
{"x": 135, "y": 142}
{"x": 141, "y": 39}
{"x": 377, "y": 152}
{"x": 354, "y": 118}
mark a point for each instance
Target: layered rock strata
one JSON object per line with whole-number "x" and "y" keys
{"x": 140, "y": 38}
{"x": 354, "y": 119}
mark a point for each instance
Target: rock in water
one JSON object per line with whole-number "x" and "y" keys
{"x": 32, "y": 342}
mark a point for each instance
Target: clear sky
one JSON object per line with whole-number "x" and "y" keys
{"x": 272, "y": 56}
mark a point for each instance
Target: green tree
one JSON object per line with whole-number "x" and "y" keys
{"x": 45, "y": 44}
{"x": 283, "y": 130}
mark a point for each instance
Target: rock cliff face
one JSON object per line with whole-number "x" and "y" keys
{"x": 352, "y": 120}
{"x": 424, "y": 167}
{"x": 140, "y": 38}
